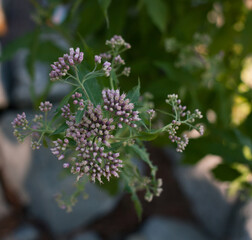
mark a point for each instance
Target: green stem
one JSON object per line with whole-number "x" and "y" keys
{"x": 81, "y": 85}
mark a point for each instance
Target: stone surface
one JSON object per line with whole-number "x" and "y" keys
{"x": 3, "y": 95}
{"x": 241, "y": 228}
{"x": 208, "y": 198}
{"x": 21, "y": 95}
{"x": 43, "y": 182}
{"x": 4, "y": 207}
{"x": 15, "y": 158}
{"x": 161, "y": 228}
{"x": 24, "y": 232}
{"x": 87, "y": 236}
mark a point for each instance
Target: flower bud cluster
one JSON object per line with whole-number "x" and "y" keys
{"x": 105, "y": 56}
{"x": 61, "y": 67}
{"x": 107, "y": 68}
{"x": 59, "y": 148}
{"x": 117, "y": 41}
{"x": 119, "y": 61}
{"x": 121, "y": 107}
{"x": 78, "y": 101}
{"x": 126, "y": 71}
{"x": 20, "y": 123}
{"x": 188, "y": 118}
{"x": 93, "y": 161}
{"x": 45, "y": 106}
{"x": 151, "y": 112}
{"x": 154, "y": 189}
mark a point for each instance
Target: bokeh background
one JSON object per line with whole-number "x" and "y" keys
{"x": 199, "y": 49}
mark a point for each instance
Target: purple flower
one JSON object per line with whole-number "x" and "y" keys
{"x": 121, "y": 107}
{"x": 106, "y": 68}
{"x": 97, "y": 59}
{"x": 45, "y": 106}
{"x": 60, "y": 68}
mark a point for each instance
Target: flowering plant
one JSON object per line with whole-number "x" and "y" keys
{"x": 97, "y": 133}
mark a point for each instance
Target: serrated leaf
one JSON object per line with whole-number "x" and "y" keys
{"x": 79, "y": 115}
{"x": 134, "y": 94}
{"x": 158, "y": 13}
{"x": 136, "y": 201}
{"x": 225, "y": 172}
{"x": 60, "y": 129}
{"x": 104, "y": 6}
{"x": 143, "y": 155}
{"x": 94, "y": 90}
{"x": 149, "y": 136}
{"x": 111, "y": 187}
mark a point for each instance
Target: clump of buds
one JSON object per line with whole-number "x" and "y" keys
{"x": 61, "y": 67}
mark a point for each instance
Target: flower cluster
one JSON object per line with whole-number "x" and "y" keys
{"x": 19, "y": 123}
{"x": 45, "y": 106}
{"x": 93, "y": 161}
{"x": 188, "y": 118}
{"x": 61, "y": 67}
{"x": 107, "y": 68}
{"x": 126, "y": 71}
{"x": 59, "y": 148}
{"x": 117, "y": 41}
{"x": 121, "y": 107}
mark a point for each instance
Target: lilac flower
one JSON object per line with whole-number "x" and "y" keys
{"x": 20, "y": 121}
{"x": 93, "y": 124}
{"x": 45, "y": 106}
{"x": 117, "y": 41}
{"x": 60, "y": 68}
{"x": 126, "y": 71}
{"x": 91, "y": 160}
{"x": 105, "y": 56}
{"x": 59, "y": 148}
{"x": 119, "y": 60}
{"x": 106, "y": 68}
{"x": 151, "y": 112}
{"x": 97, "y": 59}
{"x": 121, "y": 107}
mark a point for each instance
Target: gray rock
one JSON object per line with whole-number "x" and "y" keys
{"x": 241, "y": 229}
{"x": 15, "y": 158}
{"x": 21, "y": 94}
{"x": 208, "y": 198}
{"x": 4, "y": 207}
{"x": 24, "y": 232}
{"x": 87, "y": 236}
{"x": 3, "y": 96}
{"x": 161, "y": 228}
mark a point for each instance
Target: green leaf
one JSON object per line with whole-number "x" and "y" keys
{"x": 136, "y": 201}
{"x": 22, "y": 42}
{"x": 60, "y": 129}
{"x": 114, "y": 77}
{"x": 111, "y": 187}
{"x": 134, "y": 94}
{"x": 225, "y": 172}
{"x": 149, "y": 136}
{"x": 89, "y": 53}
{"x": 143, "y": 154}
{"x": 104, "y": 6}
{"x": 158, "y": 13}
{"x": 94, "y": 90}
{"x": 79, "y": 115}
